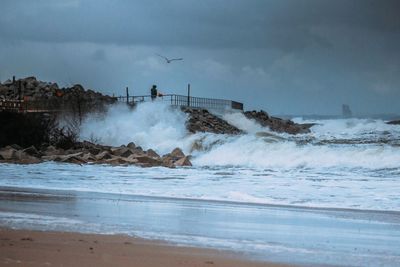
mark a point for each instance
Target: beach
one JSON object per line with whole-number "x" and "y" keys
{"x": 214, "y": 230}
{"x": 46, "y": 248}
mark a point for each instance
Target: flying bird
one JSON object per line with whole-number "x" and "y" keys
{"x": 169, "y": 60}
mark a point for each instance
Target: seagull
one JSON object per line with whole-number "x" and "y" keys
{"x": 169, "y": 60}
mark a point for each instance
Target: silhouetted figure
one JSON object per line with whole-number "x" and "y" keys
{"x": 153, "y": 92}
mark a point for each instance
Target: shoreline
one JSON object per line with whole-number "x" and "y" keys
{"x": 248, "y": 232}
{"x": 54, "y": 248}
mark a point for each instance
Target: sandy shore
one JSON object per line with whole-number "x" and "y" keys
{"x": 36, "y": 248}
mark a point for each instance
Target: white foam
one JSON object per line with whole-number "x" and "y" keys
{"x": 150, "y": 125}
{"x": 253, "y": 151}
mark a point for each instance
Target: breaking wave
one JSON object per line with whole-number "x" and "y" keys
{"x": 162, "y": 128}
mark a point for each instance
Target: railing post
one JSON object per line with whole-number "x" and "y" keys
{"x": 127, "y": 95}
{"x": 188, "y": 97}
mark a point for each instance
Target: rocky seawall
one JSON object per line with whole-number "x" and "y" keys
{"x": 201, "y": 120}
{"x": 78, "y": 101}
{"x": 277, "y": 124}
{"x": 32, "y": 94}
{"x": 395, "y": 122}
{"x": 86, "y": 152}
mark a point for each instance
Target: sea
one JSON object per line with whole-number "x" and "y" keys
{"x": 333, "y": 192}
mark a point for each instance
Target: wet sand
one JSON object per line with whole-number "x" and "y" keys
{"x": 40, "y": 248}
{"x": 263, "y": 233}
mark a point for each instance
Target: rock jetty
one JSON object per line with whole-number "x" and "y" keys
{"x": 395, "y": 122}
{"x": 201, "y": 120}
{"x": 87, "y": 152}
{"x": 32, "y": 90}
{"x": 277, "y": 124}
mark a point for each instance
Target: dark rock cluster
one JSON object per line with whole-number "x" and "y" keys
{"x": 200, "y": 120}
{"x": 277, "y": 124}
{"x": 87, "y": 152}
{"x": 30, "y": 89}
{"x": 395, "y": 122}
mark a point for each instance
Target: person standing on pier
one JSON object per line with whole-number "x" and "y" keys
{"x": 153, "y": 92}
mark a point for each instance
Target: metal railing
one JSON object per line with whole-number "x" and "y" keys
{"x": 55, "y": 105}
{"x": 185, "y": 101}
{"x": 11, "y": 105}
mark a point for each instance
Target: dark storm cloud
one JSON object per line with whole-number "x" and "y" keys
{"x": 276, "y": 24}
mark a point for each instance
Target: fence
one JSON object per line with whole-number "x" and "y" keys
{"x": 11, "y": 105}
{"x": 186, "y": 101}
{"x": 82, "y": 106}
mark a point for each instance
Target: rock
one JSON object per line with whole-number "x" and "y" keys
{"x": 90, "y": 147}
{"x": 50, "y": 158}
{"x": 31, "y": 151}
{"x": 8, "y": 153}
{"x": 183, "y": 162}
{"x": 131, "y": 145}
{"x": 131, "y": 159}
{"x": 29, "y": 160}
{"x": 115, "y": 161}
{"x": 148, "y": 161}
{"x": 71, "y": 158}
{"x": 152, "y": 153}
{"x": 122, "y": 151}
{"x": 177, "y": 153}
{"x": 88, "y": 157}
{"x": 16, "y": 147}
{"x": 103, "y": 155}
{"x": 204, "y": 121}
{"x": 395, "y": 122}
{"x": 167, "y": 161}
{"x": 51, "y": 150}
{"x": 277, "y": 124}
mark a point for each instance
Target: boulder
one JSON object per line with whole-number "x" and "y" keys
{"x": 183, "y": 162}
{"x": 395, "y": 122}
{"x": 131, "y": 145}
{"x": 115, "y": 161}
{"x": 103, "y": 155}
{"x": 122, "y": 152}
{"x": 167, "y": 161}
{"x": 32, "y": 151}
{"x": 51, "y": 158}
{"x": 88, "y": 157}
{"x": 177, "y": 153}
{"x": 147, "y": 161}
{"x": 71, "y": 158}
{"x": 29, "y": 160}
{"x": 152, "y": 153}
{"x": 51, "y": 150}
{"x": 8, "y": 153}
{"x": 276, "y": 124}
{"x": 16, "y": 147}
{"x": 204, "y": 121}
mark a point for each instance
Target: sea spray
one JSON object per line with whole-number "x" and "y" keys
{"x": 162, "y": 128}
{"x": 150, "y": 125}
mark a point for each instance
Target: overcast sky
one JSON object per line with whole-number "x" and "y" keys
{"x": 283, "y": 56}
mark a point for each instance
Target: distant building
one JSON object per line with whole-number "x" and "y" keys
{"x": 346, "y": 112}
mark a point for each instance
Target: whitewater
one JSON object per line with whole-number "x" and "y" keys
{"x": 342, "y": 164}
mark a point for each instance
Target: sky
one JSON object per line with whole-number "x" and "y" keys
{"x": 283, "y": 56}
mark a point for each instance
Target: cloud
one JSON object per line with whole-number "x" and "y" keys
{"x": 99, "y": 55}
